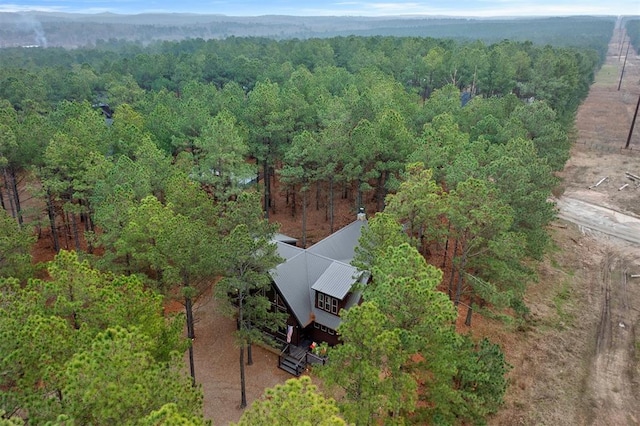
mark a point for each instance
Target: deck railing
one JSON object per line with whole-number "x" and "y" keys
{"x": 312, "y": 358}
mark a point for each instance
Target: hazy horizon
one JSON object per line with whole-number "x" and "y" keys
{"x": 462, "y": 8}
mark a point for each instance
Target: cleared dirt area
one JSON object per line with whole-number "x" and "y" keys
{"x": 579, "y": 362}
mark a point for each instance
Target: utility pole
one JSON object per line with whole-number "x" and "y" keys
{"x": 623, "y": 64}
{"x": 633, "y": 123}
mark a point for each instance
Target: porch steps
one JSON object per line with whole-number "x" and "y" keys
{"x": 292, "y": 365}
{"x": 292, "y": 359}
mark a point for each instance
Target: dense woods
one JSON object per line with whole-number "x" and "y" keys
{"x": 150, "y": 172}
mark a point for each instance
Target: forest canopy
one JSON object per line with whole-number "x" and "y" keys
{"x": 150, "y": 162}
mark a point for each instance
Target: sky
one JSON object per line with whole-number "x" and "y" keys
{"x": 473, "y": 8}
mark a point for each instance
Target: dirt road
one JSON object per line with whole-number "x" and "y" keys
{"x": 601, "y": 219}
{"x": 608, "y": 213}
{"x": 579, "y": 361}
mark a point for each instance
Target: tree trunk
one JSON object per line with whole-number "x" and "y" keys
{"x": 8, "y": 186}
{"x": 317, "y": 195}
{"x": 249, "y": 353}
{"x": 304, "y": 219}
{"x": 380, "y": 191}
{"x": 467, "y": 321}
{"x": 52, "y": 223}
{"x": 460, "y": 280}
{"x": 191, "y": 335}
{"x": 267, "y": 186}
{"x": 67, "y": 228}
{"x": 331, "y": 219}
{"x": 293, "y": 203}
{"x": 243, "y": 392}
{"x": 453, "y": 269}
{"x": 4, "y": 207}
{"x": 16, "y": 194}
{"x": 446, "y": 249}
{"x": 272, "y": 201}
{"x": 76, "y": 234}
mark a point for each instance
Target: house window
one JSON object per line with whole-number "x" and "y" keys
{"x": 328, "y": 303}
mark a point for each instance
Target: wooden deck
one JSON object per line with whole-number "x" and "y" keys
{"x": 295, "y": 359}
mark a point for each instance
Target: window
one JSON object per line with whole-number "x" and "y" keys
{"x": 327, "y": 303}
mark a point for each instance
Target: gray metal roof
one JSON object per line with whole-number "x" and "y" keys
{"x": 284, "y": 238}
{"x": 341, "y": 244}
{"x": 326, "y": 319}
{"x": 291, "y": 279}
{"x": 322, "y": 267}
{"x": 287, "y": 251}
{"x": 337, "y": 280}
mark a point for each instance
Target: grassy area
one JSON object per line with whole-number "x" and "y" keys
{"x": 562, "y": 302}
{"x": 608, "y": 75}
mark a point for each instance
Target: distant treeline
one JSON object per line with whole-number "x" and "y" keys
{"x": 73, "y": 30}
{"x": 633, "y": 32}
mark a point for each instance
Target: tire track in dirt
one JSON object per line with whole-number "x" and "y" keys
{"x": 611, "y": 385}
{"x": 610, "y": 391}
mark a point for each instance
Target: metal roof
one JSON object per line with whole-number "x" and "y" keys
{"x": 287, "y": 251}
{"x": 341, "y": 244}
{"x": 291, "y": 279}
{"x": 337, "y": 280}
{"x": 326, "y": 319}
{"x": 284, "y": 238}
{"x": 322, "y": 267}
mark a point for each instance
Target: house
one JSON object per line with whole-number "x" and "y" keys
{"x": 312, "y": 285}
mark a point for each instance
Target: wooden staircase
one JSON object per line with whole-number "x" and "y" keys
{"x": 295, "y": 359}
{"x": 292, "y": 359}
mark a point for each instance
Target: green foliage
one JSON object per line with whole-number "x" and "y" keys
{"x": 117, "y": 380}
{"x": 296, "y": 402}
{"x": 247, "y": 260}
{"x": 46, "y": 323}
{"x": 420, "y": 204}
{"x": 403, "y": 316}
{"x": 170, "y": 415}
{"x": 401, "y": 340}
{"x": 92, "y": 301}
{"x": 368, "y": 368}
{"x": 383, "y": 230}
{"x": 481, "y": 379}
{"x": 221, "y": 156}
{"x": 248, "y": 256}
{"x": 341, "y": 112}
{"x": 15, "y": 247}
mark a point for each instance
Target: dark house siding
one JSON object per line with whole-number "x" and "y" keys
{"x": 320, "y": 334}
